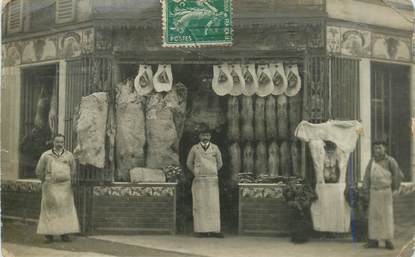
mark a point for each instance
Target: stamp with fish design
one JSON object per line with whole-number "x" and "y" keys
{"x": 196, "y": 23}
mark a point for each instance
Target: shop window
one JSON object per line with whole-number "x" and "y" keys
{"x": 39, "y": 110}
{"x": 15, "y": 16}
{"x": 390, "y": 103}
{"x": 65, "y": 11}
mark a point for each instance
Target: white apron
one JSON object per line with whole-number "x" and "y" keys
{"x": 205, "y": 192}
{"x": 381, "y": 225}
{"x": 57, "y": 214}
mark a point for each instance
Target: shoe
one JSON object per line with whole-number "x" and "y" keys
{"x": 389, "y": 245}
{"x": 48, "y": 239}
{"x": 65, "y": 238}
{"x": 372, "y": 244}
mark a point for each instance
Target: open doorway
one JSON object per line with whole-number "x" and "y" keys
{"x": 391, "y": 116}
{"x": 38, "y": 115}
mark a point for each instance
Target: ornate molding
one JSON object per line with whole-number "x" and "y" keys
{"x": 134, "y": 191}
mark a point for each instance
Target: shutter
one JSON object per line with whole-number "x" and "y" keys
{"x": 65, "y": 11}
{"x": 15, "y": 19}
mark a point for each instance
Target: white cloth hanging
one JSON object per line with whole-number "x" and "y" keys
{"x": 331, "y": 212}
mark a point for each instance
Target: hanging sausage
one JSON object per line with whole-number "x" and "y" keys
{"x": 248, "y": 159}
{"x": 273, "y": 159}
{"x": 238, "y": 79}
{"x": 143, "y": 83}
{"x": 278, "y": 78}
{"x": 259, "y": 118}
{"x": 163, "y": 79}
{"x": 294, "y": 112}
{"x": 233, "y": 119}
{"x": 251, "y": 80}
{"x": 261, "y": 159}
{"x": 271, "y": 117}
{"x": 222, "y": 82}
{"x": 285, "y": 159}
{"x": 293, "y": 79}
{"x": 282, "y": 114}
{"x": 235, "y": 165}
{"x": 265, "y": 84}
{"x": 247, "y": 118}
{"x": 295, "y": 158}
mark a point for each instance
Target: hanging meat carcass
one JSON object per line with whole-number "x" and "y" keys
{"x": 91, "y": 130}
{"x": 165, "y": 114}
{"x": 294, "y": 112}
{"x": 282, "y": 114}
{"x": 247, "y": 118}
{"x": 293, "y": 79}
{"x": 261, "y": 159}
{"x": 260, "y": 134}
{"x": 271, "y": 117}
{"x": 273, "y": 159}
{"x": 130, "y": 137}
{"x": 295, "y": 158}
{"x": 265, "y": 84}
{"x": 233, "y": 119}
{"x": 278, "y": 78}
{"x": 235, "y": 166}
{"x": 42, "y": 109}
{"x": 248, "y": 157}
{"x": 163, "y": 79}
{"x": 285, "y": 159}
{"x": 143, "y": 83}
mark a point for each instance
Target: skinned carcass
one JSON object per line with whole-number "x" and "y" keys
{"x": 271, "y": 117}
{"x": 130, "y": 138}
{"x": 294, "y": 112}
{"x": 274, "y": 159}
{"x": 165, "y": 115}
{"x": 295, "y": 158}
{"x": 235, "y": 163}
{"x": 285, "y": 159}
{"x": 248, "y": 157}
{"x": 282, "y": 114}
{"x": 42, "y": 109}
{"x": 261, "y": 159}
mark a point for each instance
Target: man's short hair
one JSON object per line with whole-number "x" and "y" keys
{"x": 59, "y": 135}
{"x": 380, "y": 142}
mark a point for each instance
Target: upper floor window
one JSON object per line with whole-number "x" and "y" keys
{"x": 15, "y": 16}
{"x": 65, "y": 11}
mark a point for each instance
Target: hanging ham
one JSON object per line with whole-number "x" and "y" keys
{"x": 271, "y": 117}
{"x": 265, "y": 84}
{"x": 233, "y": 119}
{"x": 260, "y": 119}
{"x": 285, "y": 159}
{"x": 251, "y": 80}
{"x": 282, "y": 114}
{"x": 247, "y": 118}
{"x": 293, "y": 79}
{"x": 130, "y": 137}
{"x": 273, "y": 159}
{"x": 165, "y": 115}
{"x": 222, "y": 82}
{"x": 235, "y": 165}
{"x": 261, "y": 159}
{"x": 278, "y": 78}
{"x": 143, "y": 83}
{"x": 294, "y": 112}
{"x": 248, "y": 158}
{"x": 163, "y": 79}
{"x": 238, "y": 79}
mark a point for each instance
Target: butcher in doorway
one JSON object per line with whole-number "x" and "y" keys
{"x": 204, "y": 161}
{"x": 55, "y": 169}
{"x": 381, "y": 182}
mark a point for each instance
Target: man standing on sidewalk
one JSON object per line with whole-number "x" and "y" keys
{"x": 56, "y": 168}
{"x": 381, "y": 181}
{"x": 204, "y": 161}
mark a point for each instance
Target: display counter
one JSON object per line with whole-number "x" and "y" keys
{"x": 134, "y": 208}
{"x": 262, "y": 210}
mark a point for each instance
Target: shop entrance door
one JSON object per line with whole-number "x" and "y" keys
{"x": 390, "y": 103}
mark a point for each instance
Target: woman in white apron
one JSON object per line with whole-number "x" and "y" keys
{"x": 204, "y": 161}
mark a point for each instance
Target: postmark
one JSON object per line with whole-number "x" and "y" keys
{"x": 196, "y": 23}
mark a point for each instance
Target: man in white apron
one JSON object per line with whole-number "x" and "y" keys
{"x": 204, "y": 161}
{"x": 381, "y": 181}
{"x": 56, "y": 168}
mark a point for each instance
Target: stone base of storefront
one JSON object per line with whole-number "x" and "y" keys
{"x": 134, "y": 208}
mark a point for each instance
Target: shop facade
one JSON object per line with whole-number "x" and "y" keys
{"x": 350, "y": 68}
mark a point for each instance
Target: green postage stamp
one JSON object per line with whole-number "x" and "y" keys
{"x": 195, "y": 23}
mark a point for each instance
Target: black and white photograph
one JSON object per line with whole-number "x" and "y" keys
{"x": 207, "y": 128}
